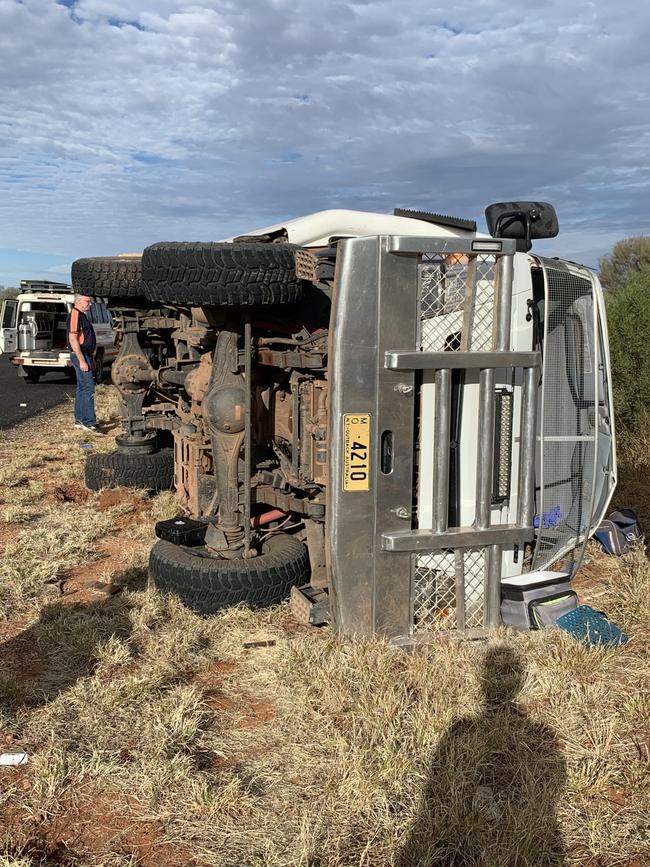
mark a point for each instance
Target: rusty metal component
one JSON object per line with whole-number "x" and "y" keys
{"x": 306, "y": 261}
{"x": 172, "y": 376}
{"x": 225, "y": 454}
{"x": 310, "y": 605}
{"x": 249, "y": 422}
{"x": 248, "y": 394}
{"x": 198, "y": 336}
{"x": 313, "y": 430}
{"x": 272, "y": 479}
{"x": 198, "y": 379}
{"x": 164, "y": 419}
{"x": 186, "y": 415}
{"x": 142, "y": 322}
{"x": 132, "y": 374}
{"x": 132, "y": 371}
{"x": 197, "y": 328}
{"x": 156, "y": 323}
{"x": 161, "y": 406}
{"x": 223, "y": 407}
{"x": 227, "y": 544}
{"x": 316, "y": 545}
{"x": 193, "y": 473}
{"x": 292, "y": 359}
{"x": 316, "y": 265}
{"x": 279, "y": 418}
{"x": 287, "y": 502}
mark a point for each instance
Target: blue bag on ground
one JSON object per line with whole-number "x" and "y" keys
{"x": 619, "y": 531}
{"x": 592, "y": 627}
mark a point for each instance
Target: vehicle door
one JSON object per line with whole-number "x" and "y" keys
{"x": 604, "y": 411}
{"x": 577, "y": 457}
{"x": 9, "y": 330}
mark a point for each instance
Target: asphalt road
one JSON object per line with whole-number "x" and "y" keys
{"x": 21, "y": 399}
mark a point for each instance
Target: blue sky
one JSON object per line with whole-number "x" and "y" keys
{"x": 124, "y": 122}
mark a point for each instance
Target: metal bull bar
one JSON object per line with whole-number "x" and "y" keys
{"x": 382, "y": 342}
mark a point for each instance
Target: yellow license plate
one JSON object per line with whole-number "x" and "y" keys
{"x": 356, "y": 455}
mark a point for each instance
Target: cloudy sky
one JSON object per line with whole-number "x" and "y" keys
{"x": 124, "y": 122}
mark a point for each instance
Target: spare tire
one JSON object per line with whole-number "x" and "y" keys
{"x": 206, "y": 584}
{"x": 231, "y": 275}
{"x": 108, "y": 276}
{"x": 153, "y": 472}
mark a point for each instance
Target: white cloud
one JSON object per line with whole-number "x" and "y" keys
{"x": 122, "y": 122}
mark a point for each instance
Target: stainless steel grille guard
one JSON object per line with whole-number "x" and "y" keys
{"x": 374, "y": 354}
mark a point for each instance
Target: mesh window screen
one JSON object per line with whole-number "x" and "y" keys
{"x": 434, "y": 589}
{"x": 456, "y": 301}
{"x": 568, "y": 421}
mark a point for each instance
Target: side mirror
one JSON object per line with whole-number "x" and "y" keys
{"x": 523, "y": 221}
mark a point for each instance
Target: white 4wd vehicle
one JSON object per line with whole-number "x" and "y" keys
{"x": 395, "y": 413}
{"x": 34, "y": 330}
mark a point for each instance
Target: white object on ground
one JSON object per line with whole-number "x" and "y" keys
{"x": 14, "y": 758}
{"x": 528, "y": 578}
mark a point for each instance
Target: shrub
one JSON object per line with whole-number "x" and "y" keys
{"x": 628, "y": 315}
{"x": 626, "y": 259}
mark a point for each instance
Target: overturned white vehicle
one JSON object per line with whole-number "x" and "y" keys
{"x": 391, "y": 413}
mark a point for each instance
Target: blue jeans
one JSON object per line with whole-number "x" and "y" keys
{"x": 84, "y": 401}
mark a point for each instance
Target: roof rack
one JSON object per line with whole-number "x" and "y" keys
{"x": 440, "y": 219}
{"x": 44, "y": 286}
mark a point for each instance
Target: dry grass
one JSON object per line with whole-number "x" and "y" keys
{"x": 158, "y": 737}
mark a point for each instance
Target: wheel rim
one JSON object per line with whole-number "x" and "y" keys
{"x": 146, "y": 444}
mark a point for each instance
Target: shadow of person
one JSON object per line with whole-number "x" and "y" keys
{"x": 62, "y": 646}
{"x": 494, "y": 780}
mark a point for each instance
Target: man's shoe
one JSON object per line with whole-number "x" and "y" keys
{"x": 78, "y": 424}
{"x": 91, "y": 428}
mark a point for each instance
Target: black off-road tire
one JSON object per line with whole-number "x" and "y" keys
{"x": 32, "y": 375}
{"x": 231, "y": 275}
{"x": 206, "y": 584}
{"x": 108, "y": 277}
{"x": 99, "y": 369}
{"x": 153, "y": 472}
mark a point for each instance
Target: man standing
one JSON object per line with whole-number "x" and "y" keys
{"x": 82, "y": 344}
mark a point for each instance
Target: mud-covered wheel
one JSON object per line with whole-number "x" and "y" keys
{"x": 108, "y": 276}
{"x": 206, "y": 584}
{"x": 99, "y": 368}
{"x": 231, "y": 275}
{"x": 153, "y": 472}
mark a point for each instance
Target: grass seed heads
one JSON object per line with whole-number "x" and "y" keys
{"x": 157, "y": 736}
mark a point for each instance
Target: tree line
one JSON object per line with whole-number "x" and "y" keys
{"x": 8, "y": 292}
{"x": 625, "y": 274}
